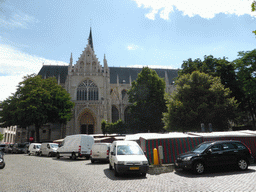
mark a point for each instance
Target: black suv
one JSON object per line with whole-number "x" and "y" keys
{"x": 215, "y": 153}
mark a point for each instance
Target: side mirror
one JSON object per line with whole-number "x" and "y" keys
{"x": 209, "y": 151}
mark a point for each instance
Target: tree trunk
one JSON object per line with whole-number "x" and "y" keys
{"x": 37, "y": 127}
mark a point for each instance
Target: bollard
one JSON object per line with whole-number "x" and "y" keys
{"x": 155, "y": 154}
{"x": 161, "y": 154}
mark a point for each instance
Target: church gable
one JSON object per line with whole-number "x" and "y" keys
{"x": 88, "y": 62}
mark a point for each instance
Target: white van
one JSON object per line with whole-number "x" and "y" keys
{"x": 74, "y": 146}
{"x": 34, "y": 148}
{"x": 49, "y": 149}
{"x": 127, "y": 157}
{"x": 100, "y": 152}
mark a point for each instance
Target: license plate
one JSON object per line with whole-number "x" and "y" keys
{"x": 134, "y": 168}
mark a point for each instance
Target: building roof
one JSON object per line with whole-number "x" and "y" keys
{"x": 60, "y": 72}
{"x": 123, "y": 73}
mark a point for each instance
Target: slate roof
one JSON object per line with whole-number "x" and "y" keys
{"x": 54, "y": 71}
{"x": 123, "y": 73}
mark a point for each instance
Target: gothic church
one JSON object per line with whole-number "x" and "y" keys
{"x": 98, "y": 91}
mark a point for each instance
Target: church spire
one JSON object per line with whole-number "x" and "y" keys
{"x": 71, "y": 60}
{"x": 90, "y": 39}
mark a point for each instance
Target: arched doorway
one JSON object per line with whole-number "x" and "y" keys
{"x": 87, "y": 123}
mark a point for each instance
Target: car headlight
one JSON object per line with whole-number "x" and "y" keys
{"x": 187, "y": 158}
{"x": 144, "y": 162}
{"x": 1, "y": 160}
{"x": 120, "y": 162}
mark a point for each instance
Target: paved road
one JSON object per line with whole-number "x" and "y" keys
{"x": 33, "y": 173}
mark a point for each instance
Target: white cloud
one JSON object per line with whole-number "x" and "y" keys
{"x": 11, "y": 18}
{"x": 132, "y": 47}
{"x": 204, "y": 8}
{"x": 14, "y": 65}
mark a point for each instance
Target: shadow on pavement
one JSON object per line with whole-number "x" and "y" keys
{"x": 97, "y": 163}
{"x": 111, "y": 175}
{"x": 214, "y": 172}
{"x": 67, "y": 159}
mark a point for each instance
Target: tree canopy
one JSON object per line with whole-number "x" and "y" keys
{"x": 199, "y": 98}
{"x": 246, "y": 75}
{"x": 148, "y": 103}
{"x": 1, "y": 136}
{"x": 36, "y": 102}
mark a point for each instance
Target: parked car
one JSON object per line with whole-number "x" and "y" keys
{"x": 49, "y": 149}
{"x": 2, "y": 147}
{"x": 8, "y": 148}
{"x": 19, "y": 148}
{"x": 127, "y": 157}
{"x": 74, "y": 146}
{"x": 100, "y": 152}
{"x": 215, "y": 153}
{"x": 34, "y": 149}
{"x": 2, "y": 163}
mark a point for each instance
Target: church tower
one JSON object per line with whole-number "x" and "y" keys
{"x": 88, "y": 84}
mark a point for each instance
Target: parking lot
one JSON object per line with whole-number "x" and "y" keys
{"x": 34, "y": 173}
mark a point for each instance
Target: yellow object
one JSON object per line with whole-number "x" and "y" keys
{"x": 155, "y": 154}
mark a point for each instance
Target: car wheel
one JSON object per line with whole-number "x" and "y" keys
{"x": 92, "y": 161}
{"x": 73, "y": 156}
{"x": 143, "y": 174}
{"x": 2, "y": 166}
{"x": 116, "y": 173}
{"x": 58, "y": 155}
{"x": 49, "y": 154}
{"x": 242, "y": 164}
{"x": 40, "y": 154}
{"x": 199, "y": 167}
{"x": 110, "y": 166}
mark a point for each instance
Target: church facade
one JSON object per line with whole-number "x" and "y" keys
{"x": 98, "y": 91}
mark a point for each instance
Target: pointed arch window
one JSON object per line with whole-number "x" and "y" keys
{"x": 88, "y": 91}
{"x": 115, "y": 114}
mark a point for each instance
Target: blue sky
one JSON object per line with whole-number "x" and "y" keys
{"x": 132, "y": 33}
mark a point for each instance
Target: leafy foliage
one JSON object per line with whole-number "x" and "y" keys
{"x": 246, "y": 75}
{"x": 199, "y": 98}
{"x": 118, "y": 127}
{"x": 253, "y": 6}
{"x": 219, "y": 67}
{"x": 148, "y": 102}
{"x": 1, "y": 137}
{"x": 36, "y": 102}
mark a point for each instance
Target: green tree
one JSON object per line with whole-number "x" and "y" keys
{"x": 36, "y": 102}
{"x": 219, "y": 67}
{"x": 253, "y": 6}
{"x": 104, "y": 127}
{"x": 246, "y": 75}
{"x": 199, "y": 98}
{"x": 1, "y": 137}
{"x": 148, "y": 102}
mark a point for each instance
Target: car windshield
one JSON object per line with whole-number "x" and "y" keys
{"x": 200, "y": 148}
{"x": 21, "y": 145}
{"x": 54, "y": 145}
{"x": 129, "y": 150}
